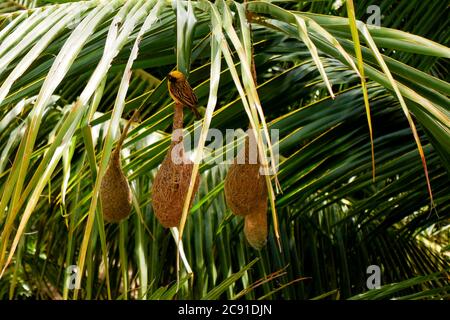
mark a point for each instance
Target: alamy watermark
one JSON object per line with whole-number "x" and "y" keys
{"x": 374, "y": 280}
{"x": 72, "y": 274}
{"x": 226, "y": 147}
{"x": 375, "y": 16}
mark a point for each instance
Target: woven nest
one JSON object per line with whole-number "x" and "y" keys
{"x": 245, "y": 188}
{"x": 115, "y": 192}
{"x": 172, "y": 180}
{"x": 255, "y": 226}
{"x": 170, "y": 188}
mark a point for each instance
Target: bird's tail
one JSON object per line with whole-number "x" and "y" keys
{"x": 197, "y": 114}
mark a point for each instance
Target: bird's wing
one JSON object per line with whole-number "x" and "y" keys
{"x": 188, "y": 96}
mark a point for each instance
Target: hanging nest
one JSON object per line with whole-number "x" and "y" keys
{"x": 115, "y": 192}
{"x": 172, "y": 180}
{"x": 245, "y": 188}
{"x": 255, "y": 226}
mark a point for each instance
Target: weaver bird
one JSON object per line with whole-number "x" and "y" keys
{"x": 181, "y": 92}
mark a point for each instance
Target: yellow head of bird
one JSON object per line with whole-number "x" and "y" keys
{"x": 175, "y": 76}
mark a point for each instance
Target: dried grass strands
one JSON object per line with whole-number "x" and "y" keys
{"x": 245, "y": 188}
{"x": 115, "y": 192}
{"x": 172, "y": 179}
